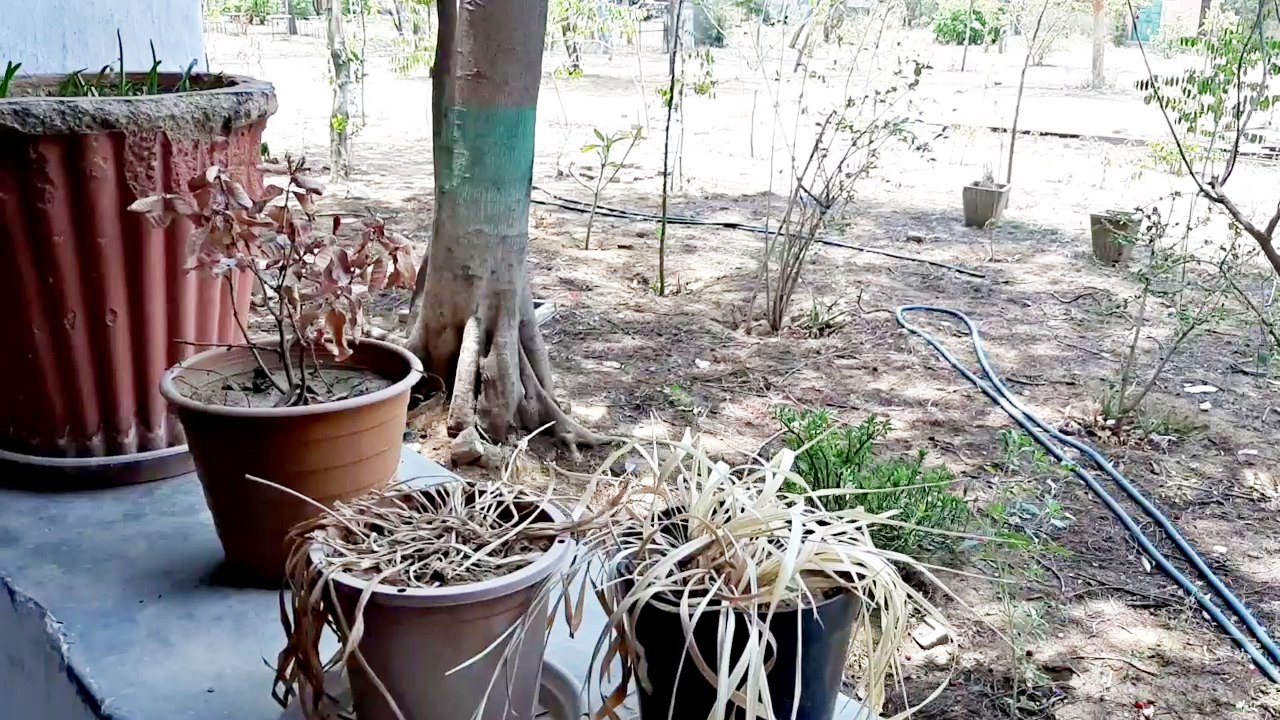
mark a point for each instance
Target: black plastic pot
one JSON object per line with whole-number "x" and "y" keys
{"x": 819, "y": 644}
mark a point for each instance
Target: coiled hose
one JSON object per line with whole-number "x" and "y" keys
{"x": 995, "y": 389}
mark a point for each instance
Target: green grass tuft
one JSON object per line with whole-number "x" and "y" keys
{"x": 830, "y": 456}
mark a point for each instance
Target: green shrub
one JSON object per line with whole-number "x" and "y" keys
{"x": 987, "y": 27}
{"x": 845, "y": 457}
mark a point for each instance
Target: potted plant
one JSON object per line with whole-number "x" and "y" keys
{"x": 102, "y": 292}
{"x": 1114, "y": 233}
{"x": 439, "y": 597}
{"x": 731, "y": 596}
{"x": 313, "y": 408}
{"x": 984, "y": 200}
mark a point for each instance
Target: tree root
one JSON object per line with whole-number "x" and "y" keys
{"x": 500, "y": 373}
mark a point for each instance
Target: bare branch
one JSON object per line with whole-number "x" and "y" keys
{"x": 244, "y": 333}
{"x": 1239, "y": 108}
{"x": 1275, "y": 220}
{"x": 1164, "y": 111}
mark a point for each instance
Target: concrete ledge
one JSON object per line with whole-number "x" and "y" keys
{"x": 36, "y": 680}
{"x": 111, "y": 609}
{"x": 119, "y": 588}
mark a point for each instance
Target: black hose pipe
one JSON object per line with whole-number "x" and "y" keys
{"x": 999, "y": 393}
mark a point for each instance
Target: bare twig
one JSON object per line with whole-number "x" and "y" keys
{"x": 673, "y": 52}
{"x": 244, "y": 333}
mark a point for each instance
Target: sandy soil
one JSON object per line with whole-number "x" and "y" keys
{"x": 1098, "y": 632}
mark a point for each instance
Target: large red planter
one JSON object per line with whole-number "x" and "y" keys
{"x": 96, "y": 298}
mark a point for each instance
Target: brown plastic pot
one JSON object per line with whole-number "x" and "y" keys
{"x": 328, "y": 452}
{"x": 414, "y": 637}
{"x": 102, "y": 294}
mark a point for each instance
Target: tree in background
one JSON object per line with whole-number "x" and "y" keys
{"x": 575, "y": 24}
{"x": 1054, "y": 28}
{"x": 476, "y": 331}
{"x": 340, "y": 115}
{"x": 1098, "y": 78}
{"x": 1213, "y": 105}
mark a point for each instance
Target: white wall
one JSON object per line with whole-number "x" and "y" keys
{"x": 59, "y": 36}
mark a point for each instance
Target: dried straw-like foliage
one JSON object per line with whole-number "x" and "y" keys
{"x": 450, "y": 534}
{"x": 706, "y": 537}
{"x": 693, "y": 533}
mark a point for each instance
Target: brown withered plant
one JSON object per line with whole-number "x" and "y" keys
{"x": 311, "y": 281}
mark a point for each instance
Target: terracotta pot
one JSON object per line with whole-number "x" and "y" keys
{"x": 414, "y": 636}
{"x": 327, "y": 452}
{"x": 103, "y": 295}
{"x": 984, "y": 204}
{"x": 1112, "y": 236}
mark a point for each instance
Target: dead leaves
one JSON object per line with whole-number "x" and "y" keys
{"x": 317, "y": 277}
{"x": 335, "y": 342}
{"x": 163, "y": 209}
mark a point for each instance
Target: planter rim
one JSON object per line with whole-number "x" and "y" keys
{"x": 535, "y": 572}
{"x": 45, "y": 474}
{"x": 659, "y": 604}
{"x": 1000, "y": 187}
{"x": 169, "y": 387}
{"x": 242, "y": 101}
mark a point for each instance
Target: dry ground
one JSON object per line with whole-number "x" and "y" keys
{"x": 1097, "y": 630}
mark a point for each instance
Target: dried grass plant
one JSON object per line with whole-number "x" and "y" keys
{"x": 709, "y": 538}
{"x": 463, "y": 531}
{"x": 698, "y": 534}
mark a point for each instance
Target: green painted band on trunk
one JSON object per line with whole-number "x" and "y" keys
{"x": 488, "y": 150}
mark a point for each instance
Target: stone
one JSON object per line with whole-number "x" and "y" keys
{"x": 493, "y": 458}
{"x": 467, "y": 448}
{"x": 930, "y": 634}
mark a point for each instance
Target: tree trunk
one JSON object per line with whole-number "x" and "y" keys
{"x": 476, "y": 330}
{"x": 673, "y": 97}
{"x": 293, "y": 20}
{"x": 1098, "y": 79}
{"x": 340, "y": 115}
{"x": 1022, "y": 83}
{"x": 572, "y": 47}
{"x": 398, "y": 7}
{"x": 441, "y": 68}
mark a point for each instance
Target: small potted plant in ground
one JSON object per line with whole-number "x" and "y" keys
{"x": 439, "y": 597}
{"x": 731, "y": 596}
{"x": 102, "y": 292}
{"x": 1114, "y": 234}
{"x": 313, "y": 407}
{"x": 984, "y": 200}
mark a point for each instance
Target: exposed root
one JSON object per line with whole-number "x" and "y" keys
{"x": 500, "y": 373}
{"x": 462, "y": 404}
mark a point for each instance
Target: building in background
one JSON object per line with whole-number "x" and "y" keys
{"x": 61, "y": 36}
